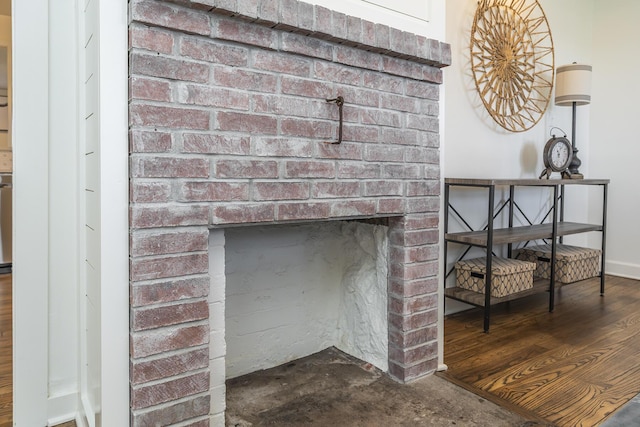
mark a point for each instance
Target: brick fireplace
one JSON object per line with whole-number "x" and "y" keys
{"x": 230, "y": 126}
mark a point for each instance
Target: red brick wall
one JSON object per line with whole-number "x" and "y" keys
{"x": 229, "y": 125}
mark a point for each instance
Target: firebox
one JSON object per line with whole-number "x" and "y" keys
{"x": 295, "y": 290}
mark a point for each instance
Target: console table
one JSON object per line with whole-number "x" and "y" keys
{"x": 553, "y": 227}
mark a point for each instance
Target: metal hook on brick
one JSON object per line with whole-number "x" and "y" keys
{"x": 339, "y": 102}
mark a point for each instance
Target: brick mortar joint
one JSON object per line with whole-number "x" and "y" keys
{"x": 160, "y": 257}
{"x": 158, "y": 231}
{"x": 410, "y": 365}
{"x": 413, "y": 313}
{"x": 416, "y": 346}
{"x": 432, "y": 60}
{"x": 158, "y": 281}
{"x": 161, "y": 381}
{"x": 403, "y": 298}
{"x": 410, "y": 378}
{"x": 172, "y": 403}
{"x": 171, "y": 353}
{"x": 156, "y": 305}
{"x": 167, "y": 327}
{"x": 415, "y": 363}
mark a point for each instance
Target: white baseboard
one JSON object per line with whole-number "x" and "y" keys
{"x": 454, "y": 306}
{"x": 81, "y": 421}
{"x": 62, "y": 409}
{"x": 623, "y": 269}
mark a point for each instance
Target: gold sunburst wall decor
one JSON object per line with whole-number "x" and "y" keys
{"x": 512, "y": 61}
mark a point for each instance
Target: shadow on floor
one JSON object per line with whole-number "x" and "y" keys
{"x": 331, "y": 388}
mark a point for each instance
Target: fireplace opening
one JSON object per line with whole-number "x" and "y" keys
{"x": 294, "y": 290}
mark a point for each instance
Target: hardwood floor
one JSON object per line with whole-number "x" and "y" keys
{"x": 572, "y": 367}
{"x": 6, "y": 354}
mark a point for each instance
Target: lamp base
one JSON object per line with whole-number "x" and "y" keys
{"x": 569, "y": 175}
{"x": 573, "y": 172}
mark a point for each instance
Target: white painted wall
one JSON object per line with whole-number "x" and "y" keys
{"x": 292, "y": 291}
{"x": 424, "y": 17}
{"x": 614, "y": 149}
{"x": 90, "y": 211}
{"x": 63, "y": 214}
{"x": 30, "y": 213}
{"x": 571, "y": 23}
{"x": 47, "y": 212}
{"x": 112, "y": 408}
{"x": 45, "y": 257}
{"x": 596, "y": 32}
{"x": 475, "y": 147}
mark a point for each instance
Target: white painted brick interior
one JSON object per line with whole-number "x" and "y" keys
{"x": 295, "y": 290}
{"x": 217, "y": 345}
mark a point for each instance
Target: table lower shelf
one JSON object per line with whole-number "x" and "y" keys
{"x": 477, "y": 299}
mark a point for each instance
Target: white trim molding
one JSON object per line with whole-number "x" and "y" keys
{"x": 623, "y": 269}
{"x": 30, "y": 211}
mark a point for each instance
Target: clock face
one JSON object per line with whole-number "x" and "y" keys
{"x": 557, "y": 156}
{"x": 560, "y": 156}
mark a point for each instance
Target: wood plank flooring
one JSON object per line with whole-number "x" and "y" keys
{"x": 572, "y": 367}
{"x": 6, "y": 353}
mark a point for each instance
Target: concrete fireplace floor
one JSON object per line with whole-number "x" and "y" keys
{"x": 331, "y": 388}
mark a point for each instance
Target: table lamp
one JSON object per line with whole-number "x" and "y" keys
{"x": 573, "y": 88}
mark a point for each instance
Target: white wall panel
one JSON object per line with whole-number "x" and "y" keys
{"x": 31, "y": 204}
{"x": 90, "y": 146}
{"x": 63, "y": 213}
{"x": 424, "y": 17}
{"x": 614, "y": 150}
{"x": 114, "y": 201}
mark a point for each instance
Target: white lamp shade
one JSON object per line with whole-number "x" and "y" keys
{"x": 573, "y": 84}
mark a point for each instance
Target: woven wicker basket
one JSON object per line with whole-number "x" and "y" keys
{"x": 508, "y": 276}
{"x": 572, "y": 263}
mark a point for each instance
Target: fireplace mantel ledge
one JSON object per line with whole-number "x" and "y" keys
{"x": 314, "y": 20}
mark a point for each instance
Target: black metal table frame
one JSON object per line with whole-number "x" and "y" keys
{"x": 558, "y": 187}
